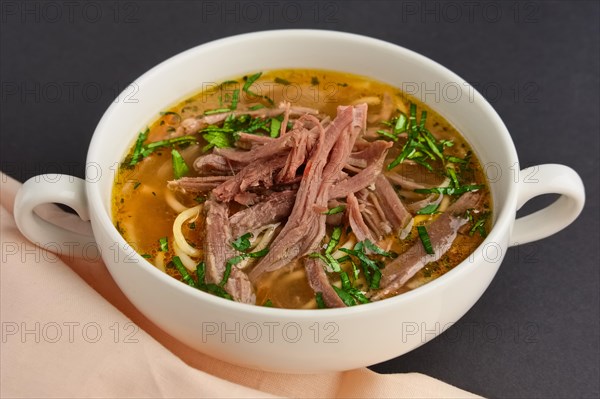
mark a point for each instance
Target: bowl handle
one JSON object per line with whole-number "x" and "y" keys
{"x": 547, "y": 179}
{"x": 48, "y": 189}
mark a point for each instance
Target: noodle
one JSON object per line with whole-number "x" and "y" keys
{"x": 191, "y": 213}
{"x": 159, "y": 261}
{"x": 173, "y": 203}
{"x": 257, "y": 245}
{"x": 188, "y": 262}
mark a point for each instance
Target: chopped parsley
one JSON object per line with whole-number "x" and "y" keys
{"x": 216, "y": 111}
{"x": 225, "y": 135}
{"x": 180, "y": 168}
{"x": 209, "y": 287}
{"x": 268, "y": 304}
{"x": 164, "y": 244}
{"x": 185, "y": 276}
{"x": 249, "y": 80}
{"x": 424, "y": 236}
{"x": 320, "y": 301}
{"x": 235, "y": 99}
{"x": 282, "y": 81}
{"x": 478, "y": 225}
{"x": 242, "y": 243}
{"x": 421, "y": 147}
{"x": 337, "y": 209}
{"x": 275, "y": 127}
{"x": 335, "y": 239}
{"x": 428, "y": 210}
{"x": 449, "y": 190}
{"x": 137, "y": 150}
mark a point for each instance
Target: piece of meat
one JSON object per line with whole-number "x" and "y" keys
{"x": 319, "y": 282}
{"x": 253, "y": 175}
{"x": 305, "y": 227}
{"x": 273, "y": 209}
{"x": 218, "y": 250}
{"x": 377, "y": 152}
{"x": 246, "y": 198}
{"x": 249, "y": 141}
{"x": 295, "y": 159}
{"x": 357, "y": 224}
{"x": 211, "y": 164}
{"x": 392, "y": 207}
{"x": 405, "y": 182}
{"x": 442, "y": 232}
{"x": 197, "y": 184}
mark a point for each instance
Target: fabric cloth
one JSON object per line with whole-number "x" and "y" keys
{"x": 69, "y": 332}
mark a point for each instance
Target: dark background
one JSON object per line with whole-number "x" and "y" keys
{"x": 534, "y": 333}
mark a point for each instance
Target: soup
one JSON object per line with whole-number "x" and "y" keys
{"x": 302, "y": 189}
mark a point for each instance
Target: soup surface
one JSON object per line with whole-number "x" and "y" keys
{"x": 302, "y": 189}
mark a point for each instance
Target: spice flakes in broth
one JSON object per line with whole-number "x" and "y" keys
{"x": 302, "y": 189}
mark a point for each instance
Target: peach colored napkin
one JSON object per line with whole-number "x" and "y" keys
{"x": 67, "y": 331}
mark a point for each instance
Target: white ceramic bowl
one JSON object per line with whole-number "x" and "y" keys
{"x": 302, "y": 340}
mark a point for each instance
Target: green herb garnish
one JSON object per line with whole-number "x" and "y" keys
{"x": 216, "y": 111}
{"x": 235, "y": 99}
{"x": 259, "y": 254}
{"x": 329, "y": 260}
{"x": 401, "y": 123}
{"x": 180, "y": 168}
{"x": 275, "y": 127}
{"x": 251, "y": 79}
{"x": 337, "y": 209}
{"x": 139, "y": 143}
{"x": 185, "y": 276}
{"x": 216, "y": 139}
{"x": 230, "y": 262}
{"x": 370, "y": 268}
{"x": 454, "y": 159}
{"x": 424, "y": 236}
{"x": 165, "y": 143}
{"x": 210, "y": 288}
{"x": 282, "y": 81}
{"x": 334, "y": 240}
{"x": 479, "y": 224}
{"x": 320, "y": 301}
{"x": 449, "y": 190}
{"x": 242, "y": 243}
{"x": 452, "y": 175}
{"x": 200, "y": 273}
{"x": 387, "y": 134}
{"x": 344, "y": 296}
{"x": 164, "y": 244}
{"x": 428, "y": 210}
{"x": 377, "y": 250}
{"x": 421, "y": 146}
